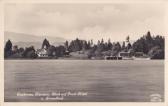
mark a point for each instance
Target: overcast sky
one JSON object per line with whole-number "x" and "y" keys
{"x": 85, "y": 21}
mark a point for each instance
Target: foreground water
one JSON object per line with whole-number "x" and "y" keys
{"x": 83, "y": 80}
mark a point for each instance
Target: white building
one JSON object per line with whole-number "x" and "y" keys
{"x": 42, "y": 53}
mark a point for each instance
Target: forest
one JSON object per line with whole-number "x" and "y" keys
{"x": 150, "y": 45}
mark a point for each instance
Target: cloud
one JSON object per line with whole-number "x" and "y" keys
{"x": 86, "y": 21}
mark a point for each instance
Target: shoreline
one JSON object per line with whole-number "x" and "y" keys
{"x": 72, "y": 59}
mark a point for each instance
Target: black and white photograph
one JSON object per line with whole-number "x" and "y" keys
{"x": 84, "y": 52}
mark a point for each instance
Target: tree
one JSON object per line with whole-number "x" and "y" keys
{"x": 138, "y": 46}
{"x": 109, "y": 44}
{"x": 123, "y": 46}
{"x": 129, "y": 46}
{"x": 8, "y": 49}
{"x": 127, "y": 38}
{"x": 15, "y": 49}
{"x": 45, "y": 44}
{"x": 102, "y": 41}
{"x": 159, "y": 41}
{"x": 116, "y": 48}
{"x": 148, "y": 36}
{"x": 88, "y": 44}
{"x": 91, "y": 43}
{"x": 66, "y": 45}
{"x": 21, "y": 50}
{"x": 91, "y": 52}
{"x": 60, "y": 51}
{"x": 153, "y": 46}
{"x": 105, "y": 47}
{"x": 8, "y": 46}
{"x": 29, "y": 52}
{"x": 76, "y": 45}
{"x": 84, "y": 45}
{"x": 101, "y": 47}
{"x": 156, "y": 53}
{"x": 51, "y": 51}
{"x": 98, "y": 42}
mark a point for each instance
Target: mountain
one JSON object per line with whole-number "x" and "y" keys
{"x": 26, "y": 40}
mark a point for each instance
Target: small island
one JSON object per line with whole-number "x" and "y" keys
{"x": 147, "y": 47}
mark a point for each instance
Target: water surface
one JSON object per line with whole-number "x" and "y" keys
{"x": 102, "y": 80}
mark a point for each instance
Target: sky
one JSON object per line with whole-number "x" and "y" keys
{"x": 86, "y": 21}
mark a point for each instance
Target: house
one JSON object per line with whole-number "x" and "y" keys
{"x": 128, "y": 53}
{"x": 42, "y": 53}
{"x": 124, "y": 54}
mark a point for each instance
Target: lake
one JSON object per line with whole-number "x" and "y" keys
{"x": 83, "y": 80}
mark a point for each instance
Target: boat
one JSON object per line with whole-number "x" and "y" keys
{"x": 141, "y": 58}
{"x": 112, "y": 58}
{"x": 127, "y": 58}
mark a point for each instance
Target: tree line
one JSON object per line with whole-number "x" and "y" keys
{"x": 153, "y": 46}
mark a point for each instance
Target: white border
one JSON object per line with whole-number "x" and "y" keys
{"x": 77, "y": 103}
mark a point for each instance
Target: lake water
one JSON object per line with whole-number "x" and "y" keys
{"x": 83, "y": 80}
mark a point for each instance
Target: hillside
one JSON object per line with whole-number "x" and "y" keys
{"x": 25, "y": 40}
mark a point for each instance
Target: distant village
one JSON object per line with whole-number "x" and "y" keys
{"x": 147, "y": 47}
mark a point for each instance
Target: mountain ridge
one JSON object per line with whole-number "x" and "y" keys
{"x": 26, "y": 40}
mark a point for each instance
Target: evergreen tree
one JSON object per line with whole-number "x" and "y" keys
{"x": 102, "y": 41}
{"x": 85, "y": 46}
{"x": 66, "y": 45}
{"x": 129, "y": 46}
{"x": 98, "y": 42}
{"x": 91, "y": 43}
{"x": 8, "y": 46}
{"x": 123, "y": 46}
{"x": 127, "y": 38}
{"x": 45, "y": 44}
{"x": 88, "y": 44}
{"x": 148, "y": 36}
{"x": 8, "y": 49}
{"x": 153, "y": 46}
{"x": 116, "y": 49}
{"x": 106, "y": 46}
{"x": 76, "y": 45}
{"x": 109, "y": 44}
